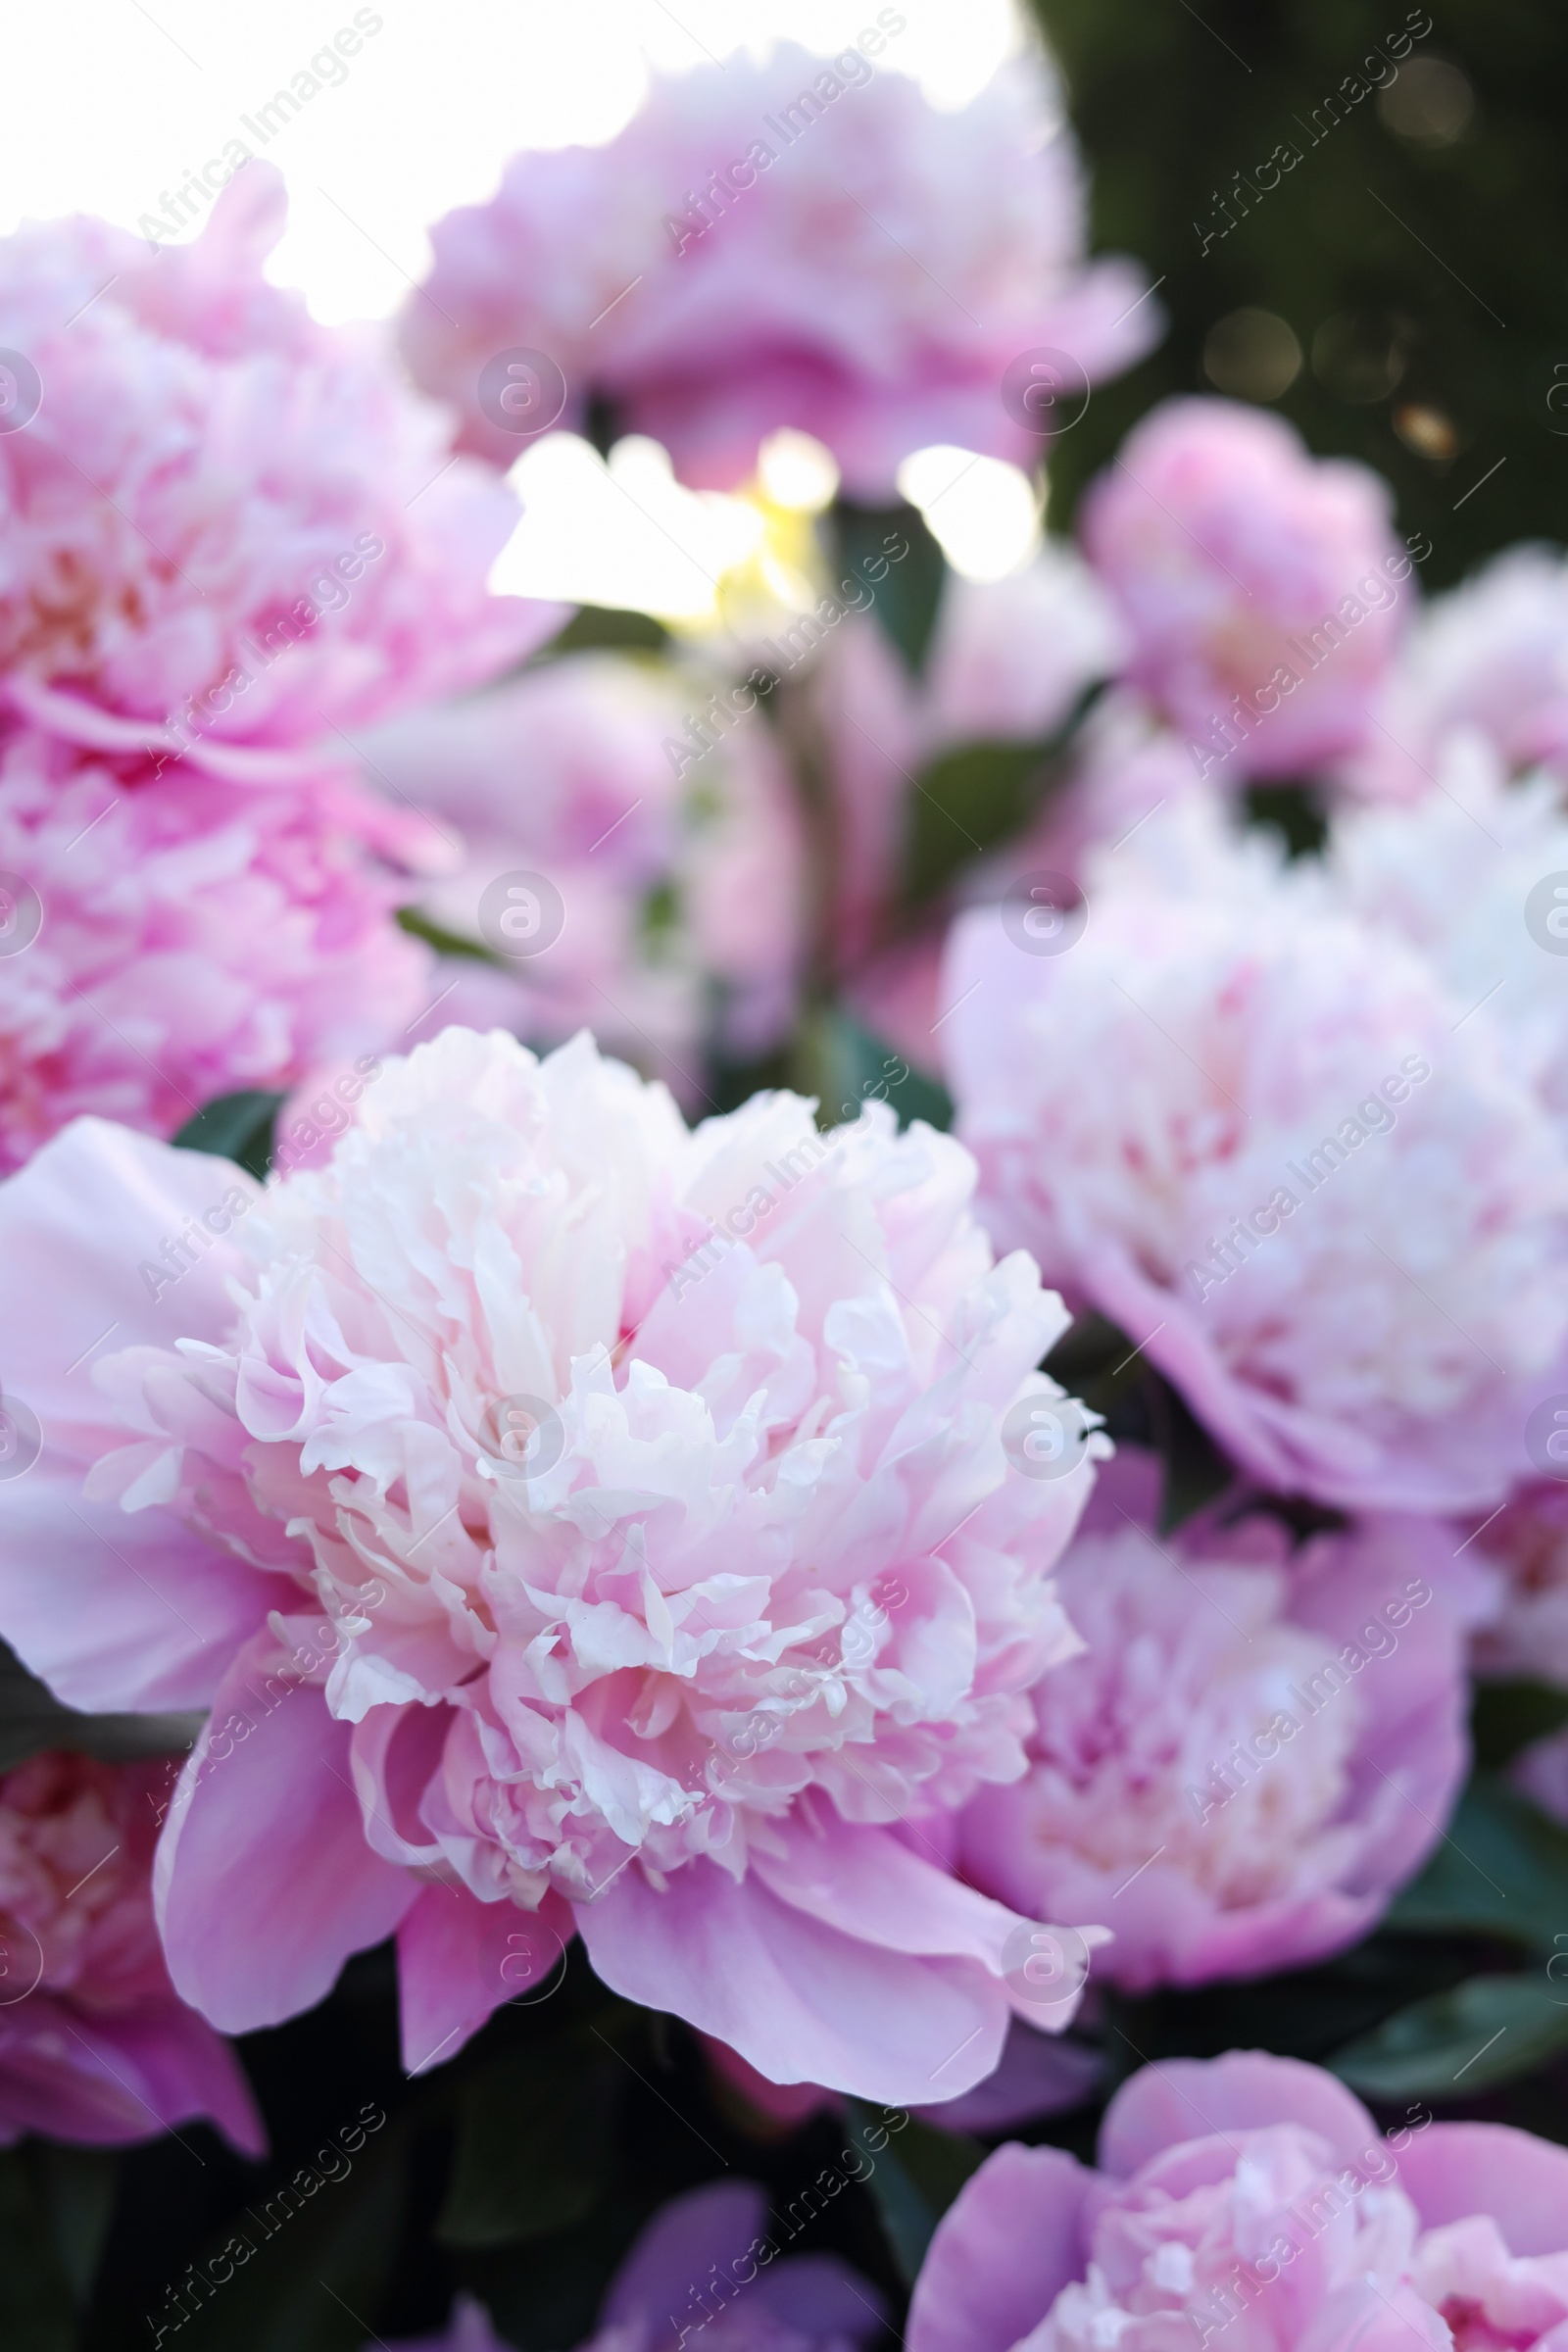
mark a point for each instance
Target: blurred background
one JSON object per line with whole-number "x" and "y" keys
{"x": 1401, "y": 294}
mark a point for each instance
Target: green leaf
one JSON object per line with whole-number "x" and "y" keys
{"x": 1196, "y": 1472}
{"x": 77, "y": 2189}
{"x": 36, "y": 2313}
{"x": 535, "y": 2146}
{"x": 907, "y": 596}
{"x": 1486, "y": 2032}
{"x": 607, "y": 627}
{"x": 1506, "y": 1716}
{"x": 545, "y": 2294}
{"x": 852, "y": 1066}
{"x": 1502, "y": 1869}
{"x": 445, "y": 943}
{"x": 236, "y": 1127}
{"x": 321, "y": 2261}
{"x": 914, "y": 2177}
{"x": 32, "y": 1719}
{"x": 967, "y": 802}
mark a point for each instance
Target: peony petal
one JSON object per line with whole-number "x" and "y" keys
{"x": 1003, "y": 2252}
{"x": 114, "y": 1610}
{"x": 1193, "y": 2098}
{"x": 709, "y": 2228}
{"x": 264, "y": 1881}
{"x": 1450, "y": 2171}
{"x": 801, "y": 2001}
{"x": 459, "y": 1959}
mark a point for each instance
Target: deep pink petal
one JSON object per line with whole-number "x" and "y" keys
{"x": 264, "y": 1880}
{"x": 800, "y": 2000}
{"x": 109, "y": 2081}
{"x": 1003, "y": 2252}
{"x": 459, "y": 1959}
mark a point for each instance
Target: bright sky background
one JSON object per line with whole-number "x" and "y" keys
{"x": 109, "y": 106}
{"x": 107, "y": 103}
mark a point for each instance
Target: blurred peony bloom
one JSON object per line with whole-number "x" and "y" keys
{"x": 226, "y": 530}
{"x": 191, "y": 941}
{"x": 94, "y": 2044}
{"x": 1265, "y": 589}
{"x": 709, "y": 2264}
{"x": 1489, "y": 658}
{"x": 679, "y": 869}
{"x": 573, "y": 1523}
{"x": 1251, "y": 1755}
{"x": 1260, "y": 1135}
{"x": 1469, "y": 875}
{"x": 806, "y": 242}
{"x": 1254, "y": 2194}
{"x": 1527, "y": 1543}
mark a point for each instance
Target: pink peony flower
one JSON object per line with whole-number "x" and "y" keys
{"x": 94, "y": 2044}
{"x": 710, "y": 2265}
{"x": 680, "y": 877}
{"x": 572, "y": 1523}
{"x": 1469, "y": 876}
{"x": 1252, "y": 1753}
{"x": 1527, "y": 1543}
{"x": 805, "y": 242}
{"x": 1262, "y": 587}
{"x": 193, "y": 940}
{"x": 226, "y": 530}
{"x": 1489, "y": 658}
{"x": 1252, "y": 2200}
{"x": 1260, "y": 1135}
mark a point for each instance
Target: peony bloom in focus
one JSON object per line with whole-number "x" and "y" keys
{"x": 94, "y": 2044}
{"x": 226, "y": 530}
{"x": 193, "y": 940}
{"x": 1252, "y": 1753}
{"x": 679, "y": 875}
{"x": 806, "y": 242}
{"x": 1263, "y": 587}
{"x": 1262, "y": 1137}
{"x": 709, "y": 2264}
{"x": 1489, "y": 658}
{"x": 1254, "y": 2193}
{"x": 573, "y": 1523}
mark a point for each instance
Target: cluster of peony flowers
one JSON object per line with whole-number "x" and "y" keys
{"x": 94, "y": 2044}
{"x": 570, "y": 1517}
{"x": 572, "y": 1523}
{"x": 690, "y": 294}
{"x": 1255, "y": 2194}
{"x": 230, "y": 536}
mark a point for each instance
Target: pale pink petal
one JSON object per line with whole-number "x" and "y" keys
{"x": 1193, "y": 2098}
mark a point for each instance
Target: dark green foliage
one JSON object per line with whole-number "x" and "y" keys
{"x": 237, "y": 1127}
{"x": 1451, "y": 253}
